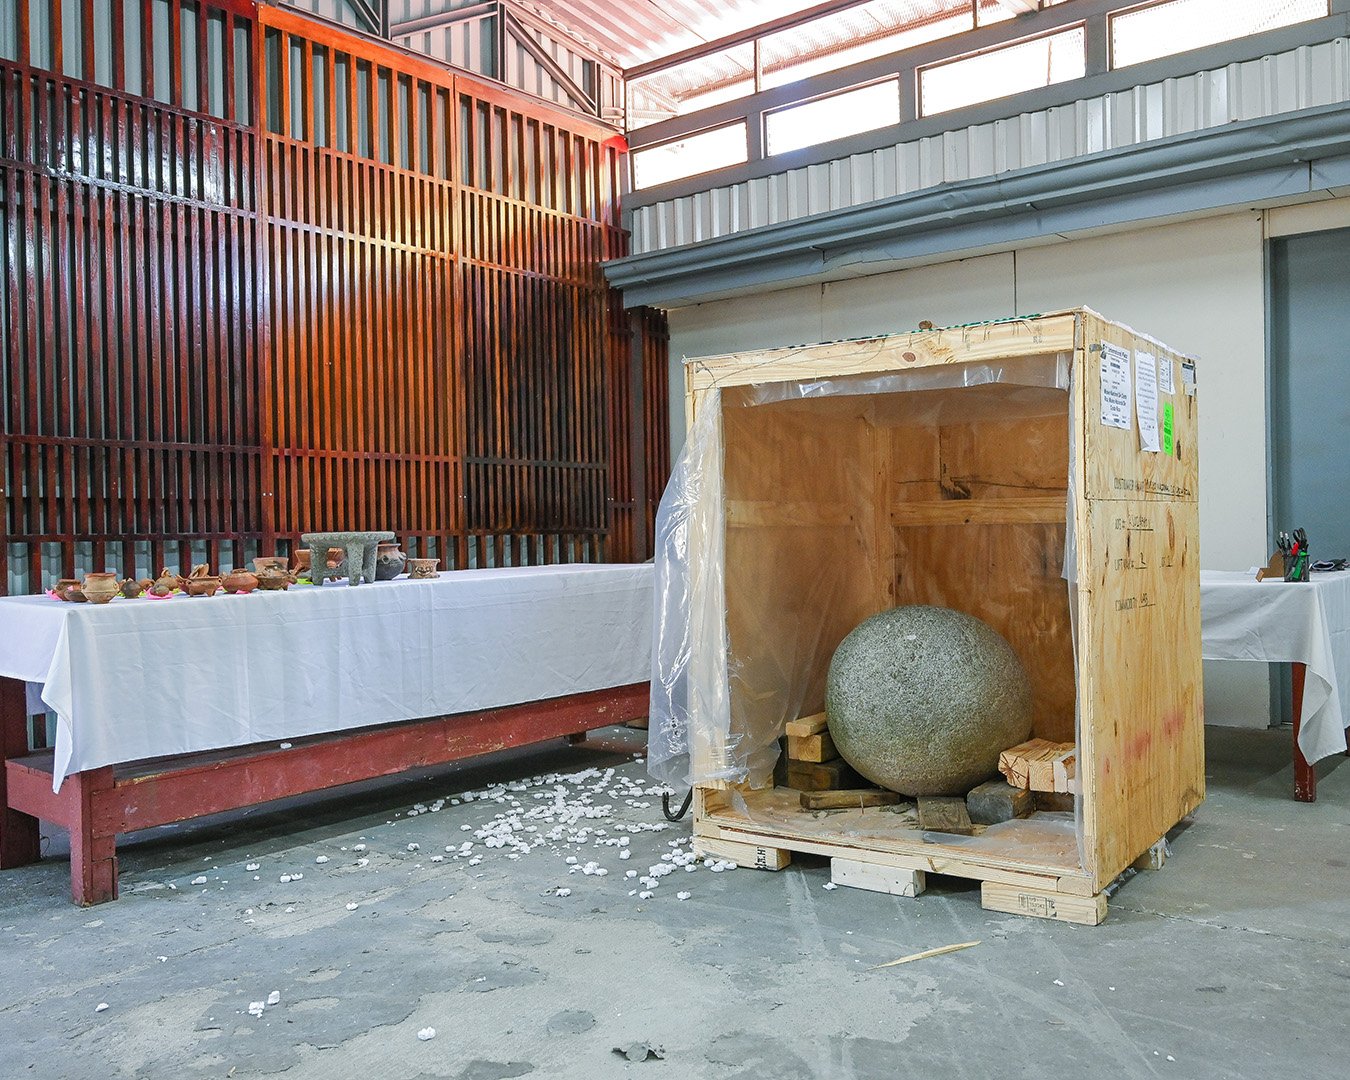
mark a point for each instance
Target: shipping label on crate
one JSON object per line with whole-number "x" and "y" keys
{"x": 1146, "y": 400}
{"x": 1117, "y": 397}
{"x": 1167, "y": 378}
{"x": 1188, "y": 377}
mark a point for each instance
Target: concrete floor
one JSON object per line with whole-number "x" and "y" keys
{"x": 1231, "y": 962}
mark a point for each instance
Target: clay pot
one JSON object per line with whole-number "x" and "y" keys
{"x": 131, "y": 588}
{"x": 166, "y": 584}
{"x": 68, "y": 589}
{"x": 100, "y": 587}
{"x": 239, "y": 580}
{"x": 202, "y": 585}
{"x": 264, "y": 561}
{"x": 274, "y": 577}
{"x": 389, "y": 561}
{"x": 301, "y": 567}
{"x": 421, "y": 569}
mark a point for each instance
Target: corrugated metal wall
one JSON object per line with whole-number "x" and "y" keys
{"x": 1285, "y": 82}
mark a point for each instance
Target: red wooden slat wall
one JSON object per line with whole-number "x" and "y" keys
{"x": 263, "y": 276}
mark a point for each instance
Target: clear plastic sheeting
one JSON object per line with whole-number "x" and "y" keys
{"x": 800, "y": 508}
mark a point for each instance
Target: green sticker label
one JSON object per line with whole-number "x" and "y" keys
{"x": 1169, "y": 417}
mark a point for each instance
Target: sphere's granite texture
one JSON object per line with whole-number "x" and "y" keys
{"x": 922, "y": 700}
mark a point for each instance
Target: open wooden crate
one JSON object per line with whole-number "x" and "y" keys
{"x": 837, "y": 507}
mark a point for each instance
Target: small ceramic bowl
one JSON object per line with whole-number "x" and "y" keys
{"x": 421, "y": 569}
{"x": 202, "y": 586}
{"x": 262, "y": 563}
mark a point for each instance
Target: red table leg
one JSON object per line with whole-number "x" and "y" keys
{"x": 1305, "y": 777}
{"x": 19, "y": 839}
{"x": 93, "y": 857}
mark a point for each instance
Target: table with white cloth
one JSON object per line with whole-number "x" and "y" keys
{"x": 1306, "y": 624}
{"x": 149, "y": 678}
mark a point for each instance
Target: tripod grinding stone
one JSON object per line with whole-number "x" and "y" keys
{"x": 921, "y": 700}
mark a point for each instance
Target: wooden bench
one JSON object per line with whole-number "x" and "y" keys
{"x": 98, "y": 804}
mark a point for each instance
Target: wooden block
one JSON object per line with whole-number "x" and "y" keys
{"x": 1041, "y": 765}
{"x": 854, "y": 799}
{"x": 822, "y": 776}
{"x": 942, "y": 814}
{"x": 877, "y": 878}
{"x": 812, "y": 747}
{"x": 640, "y": 724}
{"x": 1053, "y": 800}
{"x": 748, "y": 855}
{"x": 807, "y": 725}
{"x": 1019, "y": 900}
{"x": 997, "y": 801}
{"x": 1154, "y": 858}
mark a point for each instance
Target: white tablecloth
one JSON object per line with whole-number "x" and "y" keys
{"x": 1279, "y": 622}
{"x": 146, "y": 678}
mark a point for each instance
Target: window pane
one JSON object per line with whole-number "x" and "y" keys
{"x": 833, "y": 117}
{"x": 699, "y": 84}
{"x": 1013, "y": 69}
{"x": 857, "y": 34}
{"x": 696, "y": 154}
{"x": 1164, "y": 29}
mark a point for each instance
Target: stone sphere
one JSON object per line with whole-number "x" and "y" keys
{"x": 922, "y": 700}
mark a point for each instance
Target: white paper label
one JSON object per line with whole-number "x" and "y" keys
{"x": 1146, "y": 400}
{"x": 1117, "y": 398}
{"x": 1188, "y": 377}
{"x": 1167, "y": 380}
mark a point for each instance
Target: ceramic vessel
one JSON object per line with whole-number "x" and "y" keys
{"x": 263, "y": 562}
{"x": 202, "y": 585}
{"x": 239, "y": 580}
{"x": 68, "y": 589}
{"x": 421, "y": 569}
{"x": 131, "y": 588}
{"x": 166, "y": 584}
{"x": 301, "y": 567}
{"x": 274, "y": 577}
{"x": 389, "y": 560}
{"x": 99, "y": 588}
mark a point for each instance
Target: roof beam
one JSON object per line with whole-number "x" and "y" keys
{"x": 444, "y": 18}
{"x": 542, "y": 58}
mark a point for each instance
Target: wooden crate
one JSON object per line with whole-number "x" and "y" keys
{"x": 957, "y": 497}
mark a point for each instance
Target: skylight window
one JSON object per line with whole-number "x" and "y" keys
{"x": 690, "y": 156}
{"x": 1174, "y": 26}
{"x": 998, "y": 73}
{"x": 834, "y": 117}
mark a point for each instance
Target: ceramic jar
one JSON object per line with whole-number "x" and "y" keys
{"x": 301, "y": 567}
{"x": 389, "y": 561}
{"x": 202, "y": 585}
{"x": 273, "y": 576}
{"x": 68, "y": 589}
{"x": 421, "y": 569}
{"x": 166, "y": 584}
{"x": 131, "y": 588}
{"x": 239, "y": 580}
{"x": 263, "y": 562}
{"x": 99, "y": 588}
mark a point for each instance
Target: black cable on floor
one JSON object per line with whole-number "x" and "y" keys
{"x": 684, "y": 806}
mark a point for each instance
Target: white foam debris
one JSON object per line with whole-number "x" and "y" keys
{"x": 630, "y": 873}
{"x": 414, "y": 847}
{"x": 255, "y": 1008}
{"x": 284, "y": 878}
{"x": 321, "y": 859}
{"x": 274, "y": 998}
{"x": 1059, "y": 982}
{"x": 353, "y": 906}
{"x": 101, "y": 1006}
{"x": 683, "y": 895}
{"x": 438, "y": 858}
{"x": 830, "y": 885}
{"x": 285, "y": 746}
{"x": 427, "y": 1034}
{"x": 562, "y": 892}
{"x": 253, "y": 866}
{"x": 200, "y": 880}
{"x": 358, "y": 847}
{"x": 646, "y": 894}
{"x": 162, "y": 959}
